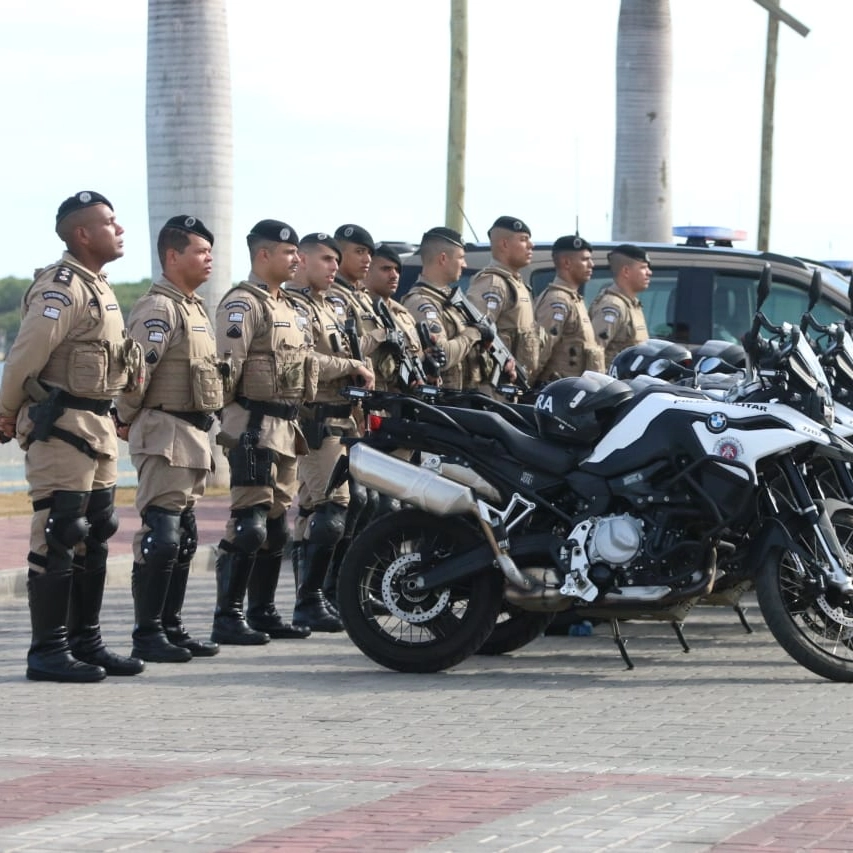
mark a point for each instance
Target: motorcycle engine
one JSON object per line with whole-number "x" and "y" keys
{"x": 616, "y": 540}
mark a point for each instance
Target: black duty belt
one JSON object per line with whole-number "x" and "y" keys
{"x": 285, "y": 411}
{"x": 330, "y": 410}
{"x": 200, "y": 420}
{"x": 84, "y": 404}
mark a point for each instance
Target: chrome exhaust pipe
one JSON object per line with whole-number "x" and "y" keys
{"x": 409, "y": 483}
{"x": 431, "y": 492}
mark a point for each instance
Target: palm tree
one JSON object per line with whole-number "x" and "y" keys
{"x": 642, "y": 207}
{"x": 188, "y": 119}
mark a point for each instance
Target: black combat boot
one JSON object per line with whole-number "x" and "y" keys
{"x": 311, "y": 606}
{"x": 173, "y": 624}
{"x": 149, "y": 584}
{"x": 232, "y": 577}
{"x": 261, "y": 613}
{"x": 84, "y": 629}
{"x": 49, "y": 657}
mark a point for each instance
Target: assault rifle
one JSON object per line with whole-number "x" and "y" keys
{"x": 410, "y": 371}
{"x": 354, "y": 344}
{"x": 498, "y": 350}
{"x": 434, "y": 356}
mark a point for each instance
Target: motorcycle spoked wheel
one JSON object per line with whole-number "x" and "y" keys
{"x": 514, "y": 629}
{"x": 415, "y": 632}
{"x": 815, "y": 628}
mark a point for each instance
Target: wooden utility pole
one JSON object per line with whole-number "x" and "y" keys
{"x": 456, "y": 125}
{"x": 765, "y": 191}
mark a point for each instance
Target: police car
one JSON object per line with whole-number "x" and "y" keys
{"x": 701, "y": 289}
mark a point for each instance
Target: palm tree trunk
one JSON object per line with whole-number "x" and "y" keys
{"x": 642, "y": 207}
{"x": 188, "y": 121}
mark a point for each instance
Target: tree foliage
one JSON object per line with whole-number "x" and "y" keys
{"x": 12, "y": 291}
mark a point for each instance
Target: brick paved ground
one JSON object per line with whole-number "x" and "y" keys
{"x": 309, "y": 746}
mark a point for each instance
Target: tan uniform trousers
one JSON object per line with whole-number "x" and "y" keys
{"x": 166, "y": 486}
{"x": 279, "y": 496}
{"x": 57, "y": 466}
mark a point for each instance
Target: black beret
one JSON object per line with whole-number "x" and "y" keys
{"x": 190, "y": 224}
{"x": 385, "y": 251}
{"x": 85, "y": 198}
{"x": 630, "y": 251}
{"x": 355, "y": 234}
{"x": 320, "y": 238}
{"x": 273, "y": 229}
{"x": 446, "y": 234}
{"x": 571, "y": 243}
{"x": 510, "y": 223}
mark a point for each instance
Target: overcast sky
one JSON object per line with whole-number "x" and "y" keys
{"x": 340, "y": 115}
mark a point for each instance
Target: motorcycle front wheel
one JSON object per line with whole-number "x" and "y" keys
{"x": 813, "y": 625}
{"x": 416, "y": 631}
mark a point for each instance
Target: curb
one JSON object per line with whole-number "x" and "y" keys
{"x": 13, "y": 582}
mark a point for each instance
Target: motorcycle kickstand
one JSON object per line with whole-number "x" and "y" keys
{"x": 677, "y": 627}
{"x": 741, "y": 614}
{"x": 620, "y": 643}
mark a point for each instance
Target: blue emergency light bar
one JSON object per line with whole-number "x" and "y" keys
{"x": 707, "y": 235}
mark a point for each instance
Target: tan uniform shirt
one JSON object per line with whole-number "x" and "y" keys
{"x": 385, "y": 363}
{"x": 271, "y": 349}
{"x": 506, "y": 298}
{"x": 335, "y": 364}
{"x": 617, "y": 320}
{"x": 71, "y": 329}
{"x": 168, "y": 324}
{"x": 570, "y": 346}
{"x": 447, "y": 324}
{"x": 356, "y": 303}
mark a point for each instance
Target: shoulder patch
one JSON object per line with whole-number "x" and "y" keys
{"x": 158, "y": 324}
{"x": 238, "y": 303}
{"x": 150, "y": 357}
{"x": 55, "y": 294}
{"x": 51, "y": 312}
{"x": 64, "y": 275}
{"x": 609, "y": 314}
{"x": 234, "y": 332}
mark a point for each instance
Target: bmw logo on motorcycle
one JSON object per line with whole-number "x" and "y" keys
{"x": 717, "y": 422}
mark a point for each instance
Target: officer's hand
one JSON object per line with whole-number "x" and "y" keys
{"x": 367, "y": 375}
{"x": 123, "y": 431}
{"x": 509, "y": 370}
{"x": 7, "y": 428}
{"x": 487, "y": 331}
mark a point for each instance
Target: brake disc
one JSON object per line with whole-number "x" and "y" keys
{"x": 412, "y": 609}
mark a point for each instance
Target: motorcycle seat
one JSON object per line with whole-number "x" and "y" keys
{"x": 524, "y": 446}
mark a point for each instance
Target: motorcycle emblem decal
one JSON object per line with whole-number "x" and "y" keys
{"x": 728, "y": 448}
{"x": 527, "y": 478}
{"x": 716, "y": 422}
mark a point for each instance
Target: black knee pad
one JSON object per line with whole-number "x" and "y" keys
{"x": 102, "y": 516}
{"x": 327, "y": 524}
{"x": 66, "y": 526}
{"x": 160, "y": 544}
{"x": 250, "y": 529}
{"x": 277, "y": 534}
{"x": 189, "y": 536}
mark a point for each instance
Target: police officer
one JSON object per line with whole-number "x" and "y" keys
{"x": 68, "y": 360}
{"x": 325, "y": 420}
{"x": 442, "y": 252}
{"x": 354, "y": 307}
{"x": 381, "y": 284}
{"x": 269, "y": 346}
{"x": 616, "y": 313}
{"x": 169, "y": 418}
{"x": 570, "y": 346}
{"x": 500, "y": 292}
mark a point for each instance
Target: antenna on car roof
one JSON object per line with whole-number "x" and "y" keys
{"x": 470, "y": 226}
